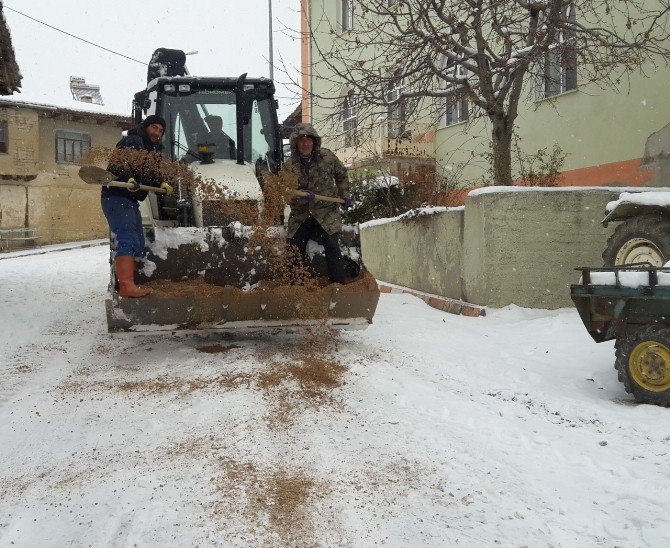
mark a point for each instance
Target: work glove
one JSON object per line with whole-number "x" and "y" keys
{"x": 347, "y": 203}
{"x": 167, "y": 188}
{"x": 136, "y": 185}
{"x": 311, "y": 196}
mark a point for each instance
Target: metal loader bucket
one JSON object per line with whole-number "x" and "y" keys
{"x": 217, "y": 278}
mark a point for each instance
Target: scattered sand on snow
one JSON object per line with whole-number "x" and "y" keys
{"x": 275, "y": 502}
{"x": 217, "y": 348}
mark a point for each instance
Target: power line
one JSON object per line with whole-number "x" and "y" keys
{"x": 73, "y": 36}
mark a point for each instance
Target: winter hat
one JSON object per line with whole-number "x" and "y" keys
{"x": 153, "y": 119}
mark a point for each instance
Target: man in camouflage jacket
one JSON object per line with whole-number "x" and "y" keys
{"x": 319, "y": 172}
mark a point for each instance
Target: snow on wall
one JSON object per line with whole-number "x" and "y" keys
{"x": 421, "y": 212}
{"x": 507, "y": 189}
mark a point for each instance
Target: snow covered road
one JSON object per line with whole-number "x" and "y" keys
{"x": 427, "y": 429}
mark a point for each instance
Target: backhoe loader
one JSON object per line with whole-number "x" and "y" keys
{"x": 209, "y": 269}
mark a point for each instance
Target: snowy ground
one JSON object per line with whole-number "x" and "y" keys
{"x": 427, "y": 429}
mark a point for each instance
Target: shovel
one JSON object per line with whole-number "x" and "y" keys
{"x": 318, "y": 197}
{"x": 94, "y": 175}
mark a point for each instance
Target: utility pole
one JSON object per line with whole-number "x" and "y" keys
{"x": 271, "y": 61}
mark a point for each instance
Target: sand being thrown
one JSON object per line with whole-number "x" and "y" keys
{"x": 289, "y": 277}
{"x": 198, "y": 287}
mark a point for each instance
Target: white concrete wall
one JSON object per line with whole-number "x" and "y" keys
{"x": 424, "y": 253}
{"x": 508, "y": 247}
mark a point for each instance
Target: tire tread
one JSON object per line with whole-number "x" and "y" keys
{"x": 625, "y": 346}
{"x": 654, "y": 227}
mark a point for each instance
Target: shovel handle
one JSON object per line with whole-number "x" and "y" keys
{"x": 94, "y": 175}
{"x": 121, "y": 184}
{"x": 318, "y": 197}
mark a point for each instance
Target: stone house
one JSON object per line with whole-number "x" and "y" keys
{"x": 40, "y": 147}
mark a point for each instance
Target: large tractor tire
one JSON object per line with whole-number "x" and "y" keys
{"x": 643, "y": 239}
{"x": 643, "y": 364}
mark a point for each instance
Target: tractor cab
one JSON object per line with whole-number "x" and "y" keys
{"x": 226, "y": 129}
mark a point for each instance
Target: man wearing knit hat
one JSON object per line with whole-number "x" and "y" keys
{"x": 121, "y": 205}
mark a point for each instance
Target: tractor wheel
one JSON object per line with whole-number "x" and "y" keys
{"x": 643, "y": 363}
{"x": 642, "y": 239}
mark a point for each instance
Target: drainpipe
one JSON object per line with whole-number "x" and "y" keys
{"x": 306, "y": 59}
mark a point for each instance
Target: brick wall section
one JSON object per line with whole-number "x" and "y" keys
{"x": 627, "y": 172}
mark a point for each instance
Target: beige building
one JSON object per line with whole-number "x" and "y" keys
{"x": 389, "y": 148}
{"x": 40, "y": 147}
{"x": 604, "y": 133}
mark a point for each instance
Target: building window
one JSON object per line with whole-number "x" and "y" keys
{"x": 4, "y": 137}
{"x": 395, "y": 118}
{"x": 560, "y": 62}
{"x": 349, "y": 119}
{"x": 71, "y": 145}
{"x": 347, "y": 7}
{"x": 456, "y": 102}
{"x": 456, "y": 108}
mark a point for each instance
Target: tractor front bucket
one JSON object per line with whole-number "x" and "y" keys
{"x": 222, "y": 278}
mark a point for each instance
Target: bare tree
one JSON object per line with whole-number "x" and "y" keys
{"x": 409, "y": 57}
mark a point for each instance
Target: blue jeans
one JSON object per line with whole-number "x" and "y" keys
{"x": 125, "y": 224}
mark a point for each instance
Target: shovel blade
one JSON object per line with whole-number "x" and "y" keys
{"x": 94, "y": 175}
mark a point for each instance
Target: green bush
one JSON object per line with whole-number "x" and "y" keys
{"x": 378, "y": 197}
